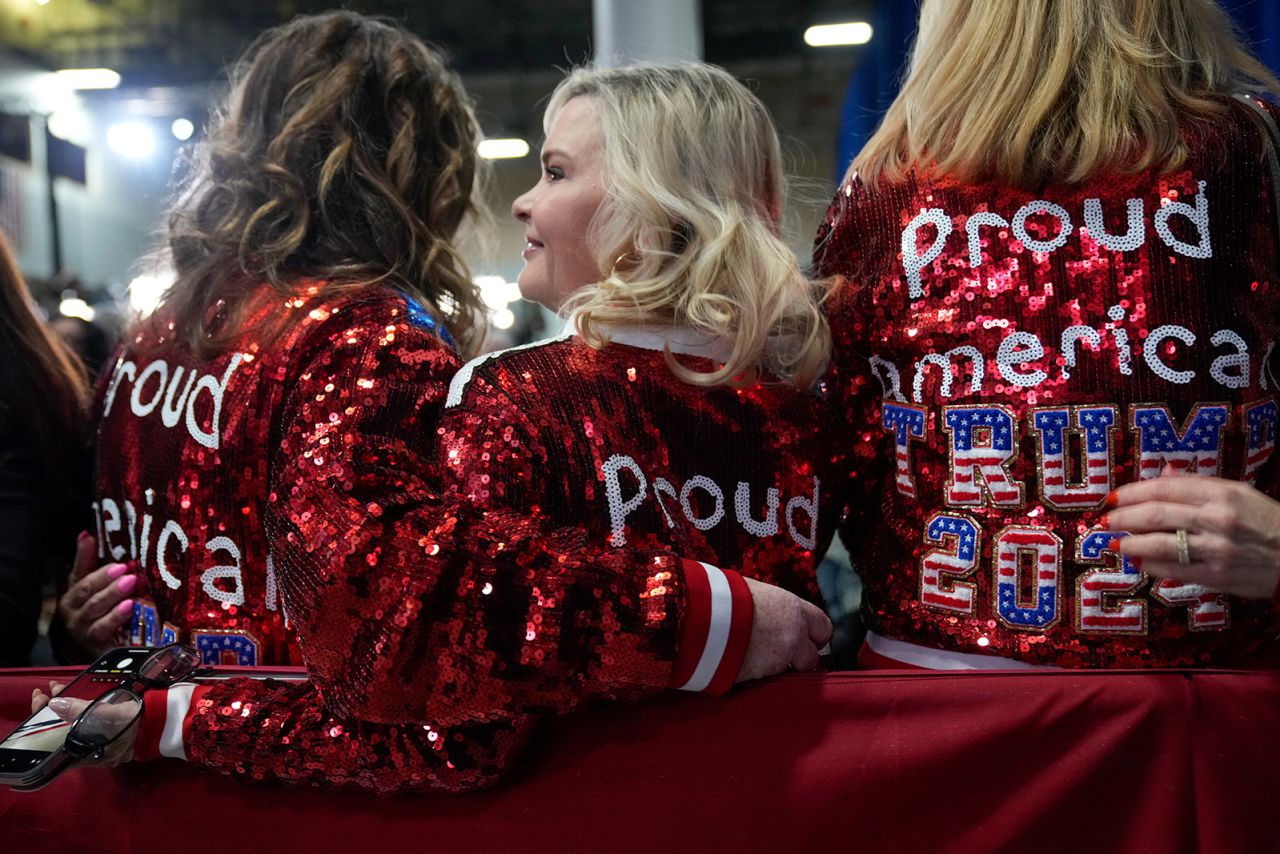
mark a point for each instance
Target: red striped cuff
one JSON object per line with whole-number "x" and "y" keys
{"x": 716, "y": 629}
{"x": 166, "y": 720}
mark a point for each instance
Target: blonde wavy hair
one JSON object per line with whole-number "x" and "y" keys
{"x": 1059, "y": 90}
{"x": 344, "y": 154}
{"x": 690, "y": 227}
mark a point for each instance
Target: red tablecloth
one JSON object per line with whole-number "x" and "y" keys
{"x": 903, "y": 762}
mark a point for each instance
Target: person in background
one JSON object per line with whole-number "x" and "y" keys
{"x": 1061, "y": 280}
{"x": 44, "y": 461}
{"x": 266, "y": 484}
{"x": 88, "y": 339}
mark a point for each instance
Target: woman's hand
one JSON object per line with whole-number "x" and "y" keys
{"x": 117, "y": 752}
{"x": 1233, "y": 532}
{"x": 96, "y": 609}
{"x": 786, "y": 633}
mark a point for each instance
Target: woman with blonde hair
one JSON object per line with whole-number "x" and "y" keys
{"x": 680, "y": 407}
{"x": 267, "y": 487}
{"x": 1061, "y": 276}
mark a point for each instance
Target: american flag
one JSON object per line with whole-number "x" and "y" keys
{"x": 226, "y": 648}
{"x": 1197, "y": 449}
{"x": 1053, "y": 424}
{"x": 906, "y": 423}
{"x": 1045, "y": 550}
{"x": 960, "y": 538}
{"x": 1094, "y": 612}
{"x": 1261, "y": 421}
{"x": 982, "y": 444}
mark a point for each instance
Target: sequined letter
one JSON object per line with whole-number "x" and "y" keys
{"x": 1054, "y": 427}
{"x": 1261, "y": 420}
{"x": 906, "y": 423}
{"x": 1097, "y": 609}
{"x": 1042, "y": 549}
{"x": 1195, "y": 450}
{"x": 913, "y": 261}
{"x": 983, "y": 445}
{"x": 941, "y": 569}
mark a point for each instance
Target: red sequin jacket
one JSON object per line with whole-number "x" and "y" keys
{"x": 614, "y": 441}
{"x": 284, "y": 504}
{"x": 1016, "y": 355}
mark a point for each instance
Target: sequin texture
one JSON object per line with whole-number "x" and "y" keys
{"x": 1011, "y": 357}
{"x": 304, "y": 497}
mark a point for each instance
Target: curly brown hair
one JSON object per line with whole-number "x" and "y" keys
{"x": 345, "y": 153}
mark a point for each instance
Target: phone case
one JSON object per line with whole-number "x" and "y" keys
{"x": 42, "y": 735}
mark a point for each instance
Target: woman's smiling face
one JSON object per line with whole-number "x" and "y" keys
{"x": 557, "y": 211}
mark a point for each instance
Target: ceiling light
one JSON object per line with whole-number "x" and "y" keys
{"x": 504, "y": 319}
{"x": 88, "y": 78}
{"x": 133, "y": 140}
{"x": 76, "y": 307}
{"x": 71, "y": 125}
{"x": 834, "y": 35}
{"x": 502, "y": 149}
{"x": 182, "y": 129}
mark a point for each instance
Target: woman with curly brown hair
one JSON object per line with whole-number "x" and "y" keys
{"x": 266, "y": 483}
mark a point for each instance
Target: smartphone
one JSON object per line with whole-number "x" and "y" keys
{"x": 32, "y": 754}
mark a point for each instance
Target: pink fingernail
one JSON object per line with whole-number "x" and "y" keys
{"x": 116, "y": 570}
{"x": 127, "y": 583}
{"x": 81, "y": 538}
{"x": 125, "y": 607}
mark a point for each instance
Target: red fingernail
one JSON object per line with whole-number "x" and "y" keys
{"x": 116, "y": 570}
{"x": 1112, "y": 499}
{"x": 1105, "y": 521}
{"x": 1113, "y": 545}
{"x": 82, "y": 537}
{"x": 125, "y": 607}
{"x": 127, "y": 583}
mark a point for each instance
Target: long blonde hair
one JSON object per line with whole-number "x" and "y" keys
{"x": 690, "y": 227}
{"x": 1060, "y": 90}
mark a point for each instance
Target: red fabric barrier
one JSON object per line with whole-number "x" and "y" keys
{"x": 905, "y": 762}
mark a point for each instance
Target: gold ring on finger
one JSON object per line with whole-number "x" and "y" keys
{"x": 1184, "y": 548}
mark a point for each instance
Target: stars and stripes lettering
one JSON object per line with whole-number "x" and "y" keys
{"x": 1100, "y": 608}
{"x": 1034, "y": 550}
{"x": 983, "y": 444}
{"x": 1196, "y": 449}
{"x": 230, "y": 648}
{"x": 942, "y": 569}
{"x": 145, "y": 628}
{"x": 1260, "y": 421}
{"x": 1207, "y": 609}
{"x": 1088, "y": 490}
{"x": 906, "y": 423}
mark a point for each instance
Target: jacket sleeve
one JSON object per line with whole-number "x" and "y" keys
{"x": 423, "y": 615}
{"x": 842, "y": 249}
